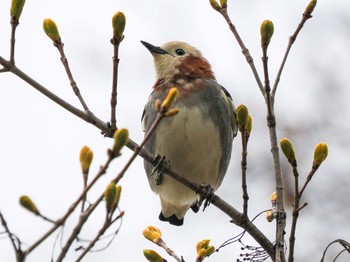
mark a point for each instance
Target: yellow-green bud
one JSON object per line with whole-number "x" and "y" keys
{"x": 109, "y": 196}
{"x": 172, "y": 112}
{"x": 310, "y": 8}
{"x": 215, "y": 5}
{"x": 28, "y": 204}
{"x": 51, "y": 30}
{"x": 121, "y": 138}
{"x": 320, "y": 154}
{"x": 16, "y": 8}
{"x": 269, "y": 215}
{"x": 169, "y": 100}
{"x": 152, "y": 234}
{"x": 250, "y": 124}
{"x": 266, "y": 32}
{"x": 118, "y": 24}
{"x": 118, "y": 191}
{"x": 288, "y": 149}
{"x": 152, "y": 256}
{"x": 273, "y": 197}
{"x": 223, "y": 3}
{"x": 86, "y": 156}
{"x": 204, "y": 249}
{"x": 242, "y": 116}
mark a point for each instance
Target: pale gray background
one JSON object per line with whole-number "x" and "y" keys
{"x": 40, "y": 142}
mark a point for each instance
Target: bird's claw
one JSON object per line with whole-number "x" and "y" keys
{"x": 206, "y": 193}
{"x": 160, "y": 166}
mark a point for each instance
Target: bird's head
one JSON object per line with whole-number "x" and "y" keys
{"x": 179, "y": 60}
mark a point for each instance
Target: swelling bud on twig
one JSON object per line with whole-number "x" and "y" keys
{"x": 118, "y": 24}
{"x": 28, "y": 204}
{"x": 270, "y": 215}
{"x": 266, "y": 32}
{"x": 288, "y": 150}
{"x": 169, "y": 100}
{"x": 121, "y": 138}
{"x": 320, "y": 154}
{"x": 118, "y": 191}
{"x": 152, "y": 234}
{"x": 86, "y": 156}
{"x": 51, "y": 30}
{"x": 16, "y": 8}
{"x": 242, "y": 116}
{"x": 204, "y": 249}
{"x": 223, "y": 3}
{"x": 310, "y": 8}
{"x": 110, "y": 196}
{"x": 249, "y": 125}
{"x": 215, "y": 5}
{"x": 152, "y": 256}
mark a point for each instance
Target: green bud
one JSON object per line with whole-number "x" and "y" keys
{"x": 28, "y": 204}
{"x": 223, "y": 3}
{"x": 152, "y": 256}
{"x": 118, "y": 191}
{"x": 288, "y": 149}
{"x": 169, "y": 100}
{"x": 266, "y": 32}
{"x": 118, "y": 24}
{"x": 242, "y": 116}
{"x": 320, "y": 154}
{"x": 51, "y": 30}
{"x": 215, "y": 5}
{"x": 249, "y": 125}
{"x": 109, "y": 196}
{"x": 121, "y": 138}
{"x": 16, "y": 8}
{"x": 310, "y": 8}
{"x": 86, "y": 156}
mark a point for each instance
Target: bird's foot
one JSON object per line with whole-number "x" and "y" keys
{"x": 206, "y": 193}
{"x": 160, "y": 166}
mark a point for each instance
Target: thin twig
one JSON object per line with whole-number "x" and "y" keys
{"x": 292, "y": 39}
{"x": 104, "y": 228}
{"x": 296, "y": 210}
{"x": 14, "y": 23}
{"x": 245, "y": 50}
{"x": 170, "y": 252}
{"x": 73, "y": 84}
{"x": 20, "y": 255}
{"x": 114, "y": 94}
{"x": 245, "y": 196}
{"x": 271, "y": 123}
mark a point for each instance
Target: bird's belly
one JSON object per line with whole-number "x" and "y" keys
{"x": 191, "y": 143}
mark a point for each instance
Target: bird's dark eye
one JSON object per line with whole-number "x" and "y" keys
{"x": 179, "y": 51}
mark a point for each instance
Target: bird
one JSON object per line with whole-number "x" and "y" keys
{"x": 197, "y": 142}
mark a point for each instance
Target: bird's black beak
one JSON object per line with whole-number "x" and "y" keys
{"x": 154, "y": 49}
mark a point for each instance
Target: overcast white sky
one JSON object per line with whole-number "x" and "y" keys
{"x": 40, "y": 142}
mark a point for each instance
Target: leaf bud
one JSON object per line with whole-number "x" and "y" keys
{"x": 310, "y": 8}
{"x": 249, "y": 125}
{"x": 242, "y": 116}
{"x": 152, "y": 234}
{"x": 204, "y": 249}
{"x": 320, "y": 154}
{"x": 28, "y": 204}
{"x": 118, "y": 24}
{"x": 266, "y": 32}
{"x": 215, "y": 5}
{"x": 223, "y": 3}
{"x": 121, "y": 138}
{"x": 51, "y": 30}
{"x": 288, "y": 150}
{"x": 169, "y": 100}
{"x": 270, "y": 215}
{"x": 152, "y": 256}
{"x": 86, "y": 156}
{"x": 109, "y": 196}
{"x": 16, "y": 8}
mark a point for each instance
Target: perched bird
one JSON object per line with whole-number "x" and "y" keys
{"x": 196, "y": 142}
